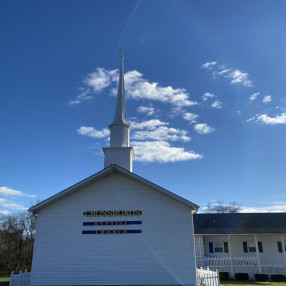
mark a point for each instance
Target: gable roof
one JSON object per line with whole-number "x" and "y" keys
{"x": 102, "y": 174}
{"x": 240, "y": 223}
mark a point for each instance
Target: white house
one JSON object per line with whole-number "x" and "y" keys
{"x": 115, "y": 228}
{"x": 241, "y": 242}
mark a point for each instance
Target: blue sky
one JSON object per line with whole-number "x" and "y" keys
{"x": 205, "y": 88}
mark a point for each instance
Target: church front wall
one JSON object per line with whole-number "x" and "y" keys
{"x": 162, "y": 254}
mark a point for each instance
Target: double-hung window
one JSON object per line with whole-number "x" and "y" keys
{"x": 218, "y": 247}
{"x": 250, "y": 246}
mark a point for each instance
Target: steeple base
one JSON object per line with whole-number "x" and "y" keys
{"x": 121, "y": 156}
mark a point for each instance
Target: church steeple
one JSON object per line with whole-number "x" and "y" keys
{"x": 120, "y": 111}
{"x": 119, "y": 152}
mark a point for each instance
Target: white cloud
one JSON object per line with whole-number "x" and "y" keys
{"x": 161, "y": 133}
{"x": 272, "y": 207}
{"x": 11, "y": 204}
{"x": 265, "y": 119}
{"x": 8, "y": 192}
{"x": 136, "y": 87}
{"x": 239, "y": 77}
{"x": 149, "y": 124}
{"x": 147, "y": 110}
{"x": 190, "y": 116}
{"x": 267, "y": 98}
{"x": 217, "y": 104}
{"x": 254, "y": 96}
{"x": 203, "y": 128}
{"x": 236, "y": 76}
{"x": 4, "y": 212}
{"x": 207, "y": 95}
{"x": 92, "y": 132}
{"x": 101, "y": 79}
{"x": 163, "y": 152}
{"x": 139, "y": 88}
{"x": 209, "y": 65}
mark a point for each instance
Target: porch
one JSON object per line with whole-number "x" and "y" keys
{"x": 238, "y": 264}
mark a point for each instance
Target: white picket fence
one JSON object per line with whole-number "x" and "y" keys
{"x": 21, "y": 279}
{"x": 247, "y": 264}
{"x": 206, "y": 277}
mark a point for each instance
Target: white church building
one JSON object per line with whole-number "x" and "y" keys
{"x": 115, "y": 227}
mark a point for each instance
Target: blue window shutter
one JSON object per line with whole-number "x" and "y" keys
{"x": 211, "y": 247}
{"x": 225, "y": 246}
{"x": 279, "y": 244}
{"x": 260, "y": 248}
{"x": 245, "y": 249}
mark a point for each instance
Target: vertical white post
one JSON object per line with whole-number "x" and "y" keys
{"x": 283, "y": 248}
{"x": 257, "y": 253}
{"x": 230, "y": 256}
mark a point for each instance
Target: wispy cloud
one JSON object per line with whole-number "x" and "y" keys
{"x": 267, "y": 98}
{"x": 265, "y": 119}
{"x": 190, "y": 116}
{"x": 162, "y": 133}
{"x": 270, "y": 207}
{"x": 203, "y": 128}
{"x": 216, "y": 104}
{"x": 136, "y": 88}
{"x": 235, "y": 75}
{"x": 151, "y": 141}
{"x": 209, "y": 65}
{"x": 8, "y": 192}
{"x": 146, "y": 110}
{"x": 254, "y": 96}
{"x": 161, "y": 151}
{"x": 207, "y": 95}
{"x": 92, "y": 132}
{"x": 149, "y": 124}
{"x": 11, "y": 204}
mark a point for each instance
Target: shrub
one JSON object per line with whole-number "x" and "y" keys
{"x": 261, "y": 277}
{"x": 278, "y": 278}
{"x": 223, "y": 275}
{"x": 241, "y": 276}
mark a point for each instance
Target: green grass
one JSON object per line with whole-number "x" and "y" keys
{"x": 5, "y": 278}
{"x": 251, "y": 283}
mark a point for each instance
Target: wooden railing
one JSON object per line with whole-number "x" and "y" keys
{"x": 238, "y": 264}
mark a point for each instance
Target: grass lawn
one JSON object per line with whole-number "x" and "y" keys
{"x": 251, "y": 283}
{"x": 4, "y": 280}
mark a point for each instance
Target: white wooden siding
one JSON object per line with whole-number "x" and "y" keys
{"x": 162, "y": 254}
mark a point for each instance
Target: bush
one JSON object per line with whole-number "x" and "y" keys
{"x": 278, "y": 278}
{"x": 223, "y": 276}
{"x": 241, "y": 276}
{"x": 261, "y": 277}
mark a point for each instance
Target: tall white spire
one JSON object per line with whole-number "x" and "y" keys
{"x": 120, "y": 111}
{"x": 119, "y": 152}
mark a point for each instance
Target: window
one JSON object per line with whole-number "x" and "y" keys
{"x": 279, "y": 244}
{"x": 218, "y": 247}
{"x": 250, "y": 246}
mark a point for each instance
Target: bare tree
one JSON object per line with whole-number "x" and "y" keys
{"x": 221, "y": 207}
{"x": 17, "y": 232}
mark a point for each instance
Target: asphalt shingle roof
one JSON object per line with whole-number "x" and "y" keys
{"x": 240, "y": 223}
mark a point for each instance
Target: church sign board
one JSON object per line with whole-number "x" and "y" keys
{"x": 112, "y": 213}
